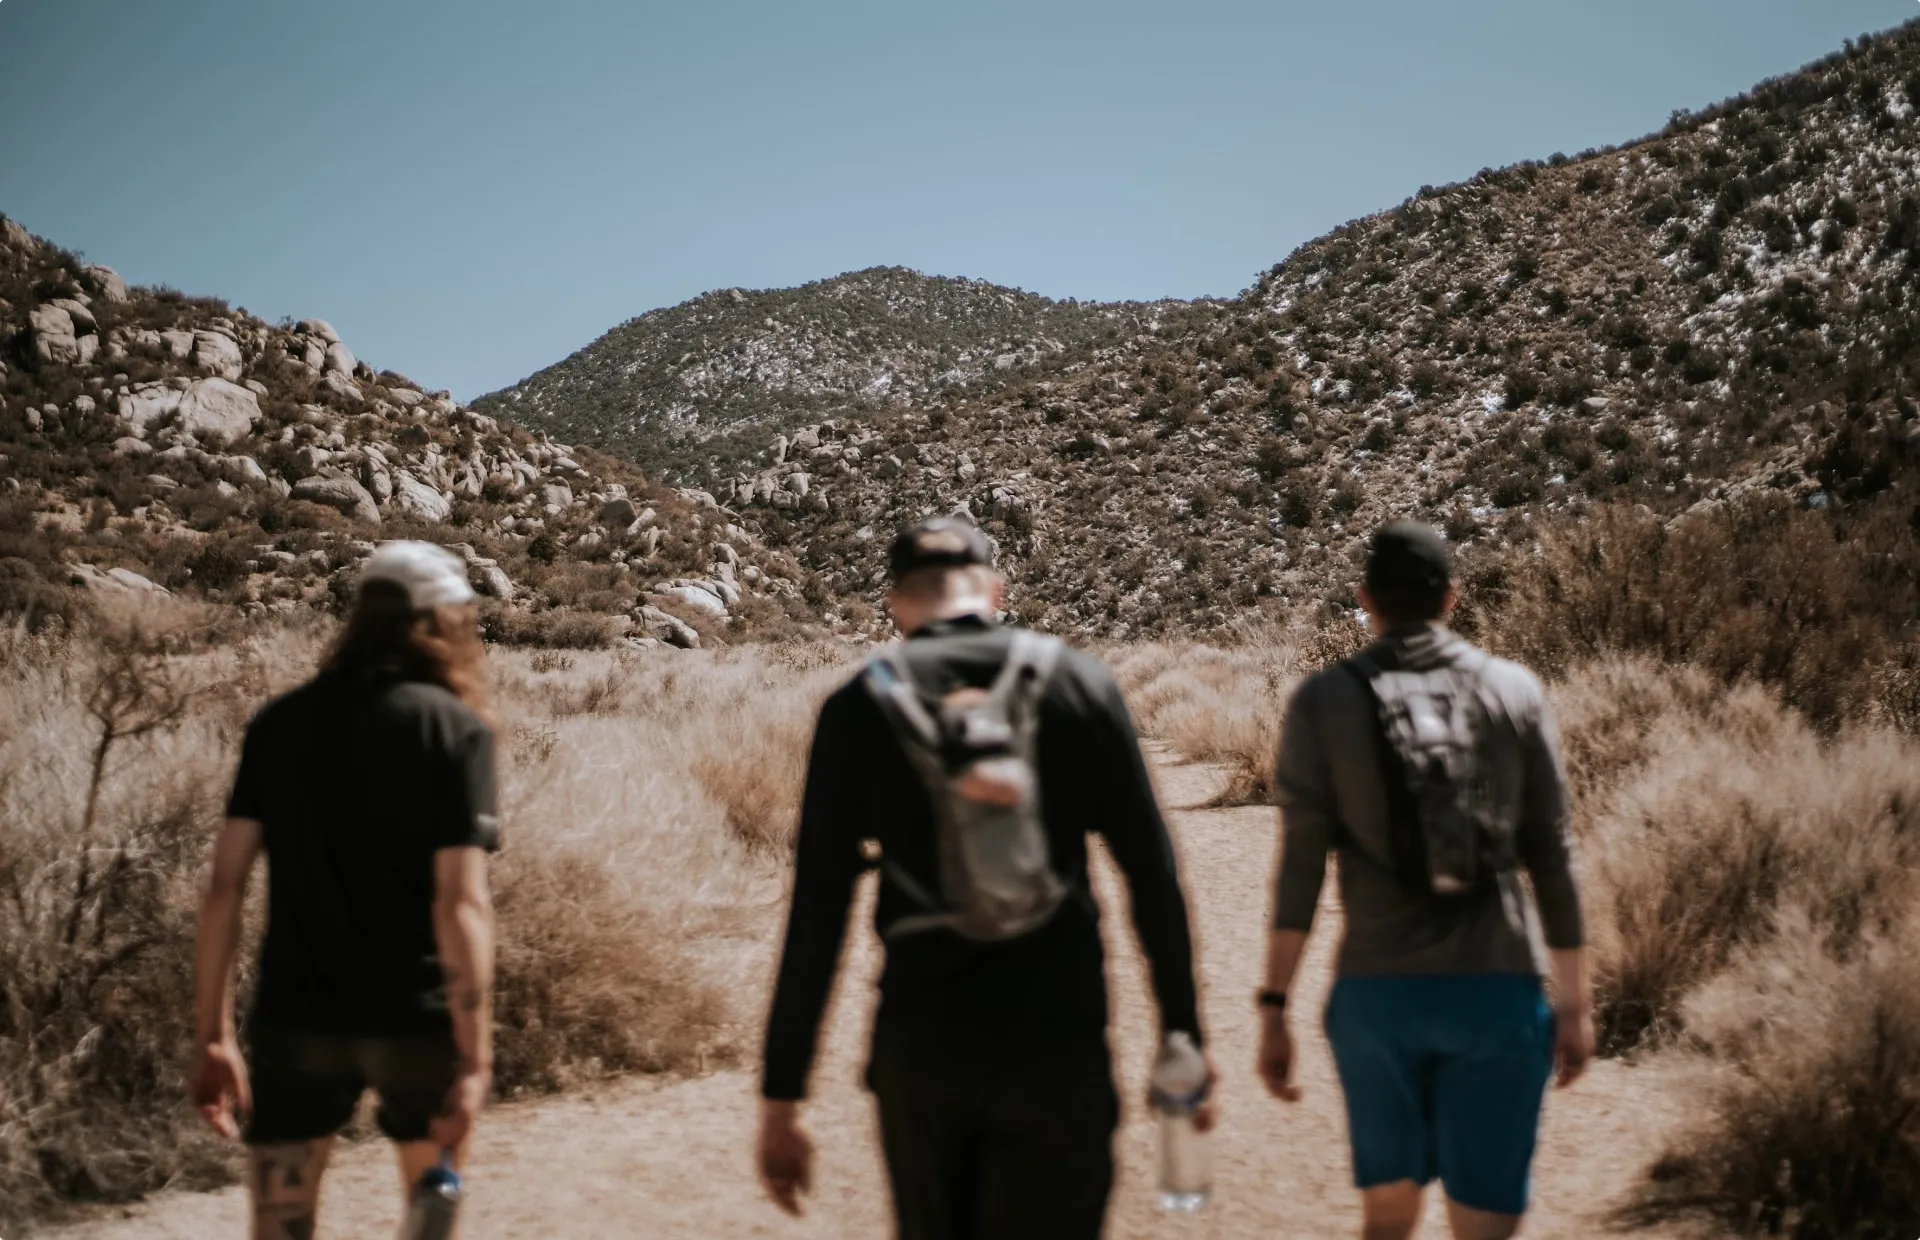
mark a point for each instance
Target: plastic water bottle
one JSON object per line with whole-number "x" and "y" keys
{"x": 435, "y": 1203}
{"x": 1180, "y": 1085}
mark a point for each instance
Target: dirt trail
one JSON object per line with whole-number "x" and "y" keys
{"x": 647, "y": 1159}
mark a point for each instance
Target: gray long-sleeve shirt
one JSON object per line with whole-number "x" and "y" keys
{"x": 1329, "y": 777}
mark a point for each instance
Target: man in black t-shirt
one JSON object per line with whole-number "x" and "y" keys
{"x": 989, "y": 1063}
{"x": 370, "y": 790}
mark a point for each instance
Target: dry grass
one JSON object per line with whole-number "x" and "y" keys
{"x": 1807, "y": 1098}
{"x": 1223, "y": 704}
{"x": 636, "y": 890}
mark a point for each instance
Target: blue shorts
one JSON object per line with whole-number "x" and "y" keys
{"x": 1444, "y": 1077}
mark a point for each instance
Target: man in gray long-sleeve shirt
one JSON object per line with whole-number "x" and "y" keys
{"x": 1438, "y": 1022}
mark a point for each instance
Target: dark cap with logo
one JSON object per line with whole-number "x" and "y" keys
{"x": 939, "y": 542}
{"x": 1409, "y": 555}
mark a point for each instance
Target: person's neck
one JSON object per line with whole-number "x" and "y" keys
{"x": 963, "y": 609}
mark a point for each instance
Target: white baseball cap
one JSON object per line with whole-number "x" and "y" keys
{"x": 432, "y": 576}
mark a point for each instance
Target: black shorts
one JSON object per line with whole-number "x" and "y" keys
{"x": 306, "y": 1085}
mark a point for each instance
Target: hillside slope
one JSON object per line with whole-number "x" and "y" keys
{"x": 152, "y": 442}
{"x": 680, "y": 387}
{"x": 1719, "y": 308}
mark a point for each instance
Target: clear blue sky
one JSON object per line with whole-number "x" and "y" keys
{"x": 472, "y": 189}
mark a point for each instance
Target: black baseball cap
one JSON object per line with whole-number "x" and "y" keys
{"x": 1409, "y": 555}
{"x": 938, "y": 542}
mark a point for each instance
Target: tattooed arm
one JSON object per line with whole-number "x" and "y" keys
{"x": 463, "y": 930}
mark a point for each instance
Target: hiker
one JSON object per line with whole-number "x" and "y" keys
{"x": 371, "y": 791}
{"x": 989, "y": 1062}
{"x": 1433, "y": 770}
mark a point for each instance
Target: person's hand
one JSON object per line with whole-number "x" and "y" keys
{"x": 1276, "y": 1058}
{"x": 1572, "y": 1043}
{"x": 451, "y": 1128}
{"x": 219, "y": 1089}
{"x": 785, "y": 1155}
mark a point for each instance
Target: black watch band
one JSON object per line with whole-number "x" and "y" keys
{"x": 1275, "y": 999}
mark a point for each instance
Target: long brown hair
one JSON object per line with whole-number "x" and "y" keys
{"x": 385, "y": 636}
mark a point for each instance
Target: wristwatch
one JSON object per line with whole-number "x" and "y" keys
{"x": 1275, "y": 999}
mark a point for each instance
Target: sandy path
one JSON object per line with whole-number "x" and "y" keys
{"x": 672, "y": 1160}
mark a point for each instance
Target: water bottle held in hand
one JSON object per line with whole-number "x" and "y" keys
{"x": 435, "y": 1203}
{"x": 1180, "y": 1085}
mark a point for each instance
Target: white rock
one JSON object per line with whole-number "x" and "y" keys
{"x": 127, "y": 445}
{"x": 343, "y": 387}
{"x": 218, "y": 354}
{"x": 217, "y": 411}
{"x": 340, "y": 358}
{"x": 556, "y": 495}
{"x": 245, "y": 468}
{"x": 148, "y": 405}
{"x": 320, "y": 328}
{"x": 668, "y": 628}
{"x": 406, "y": 398}
{"x": 178, "y": 343}
{"x": 54, "y": 339}
{"x": 106, "y": 281}
{"x": 492, "y": 580}
{"x": 341, "y": 493}
{"x": 707, "y": 600}
{"x": 417, "y": 499}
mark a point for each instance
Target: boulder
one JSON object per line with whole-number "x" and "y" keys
{"x": 178, "y": 343}
{"x": 55, "y": 342}
{"x": 340, "y": 358}
{"x": 417, "y": 499}
{"x": 798, "y": 484}
{"x": 218, "y": 354}
{"x": 704, "y": 597}
{"x": 127, "y": 445}
{"x": 669, "y": 628}
{"x": 341, "y": 493}
{"x": 556, "y": 495}
{"x": 246, "y": 469}
{"x": 16, "y": 237}
{"x": 106, "y": 282}
{"x": 320, "y": 328}
{"x": 618, "y": 513}
{"x": 491, "y": 580}
{"x": 406, "y": 398}
{"x": 218, "y": 411}
{"x": 117, "y": 581}
{"x": 148, "y": 405}
{"x": 379, "y": 482}
{"x": 343, "y": 387}
{"x": 83, "y": 320}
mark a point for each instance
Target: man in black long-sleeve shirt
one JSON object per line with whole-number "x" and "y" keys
{"x": 989, "y": 1061}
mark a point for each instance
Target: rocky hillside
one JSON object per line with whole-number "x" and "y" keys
{"x": 680, "y": 388}
{"x": 1721, "y": 308}
{"x": 152, "y": 442}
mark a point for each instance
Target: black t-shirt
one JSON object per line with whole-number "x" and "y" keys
{"x": 357, "y": 783}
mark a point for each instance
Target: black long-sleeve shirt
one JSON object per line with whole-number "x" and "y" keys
{"x": 1050, "y": 983}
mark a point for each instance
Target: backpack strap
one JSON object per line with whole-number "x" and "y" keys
{"x": 890, "y": 681}
{"x": 1406, "y": 845}
{"x": 1023, "y": 678}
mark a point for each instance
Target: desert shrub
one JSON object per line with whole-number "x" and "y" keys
{"x": 1818, "y": 606}
{"x": 556, "y": 628}
{"x": 1811, "y": 1127}
{"x": 1702, "y": 812}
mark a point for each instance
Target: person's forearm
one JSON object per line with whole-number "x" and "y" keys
{"x": 465, "y": 932}
{"x": 1284, "y": 949}
{"x": 1572, "y": 987}
{"x": 218, "y": 941}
